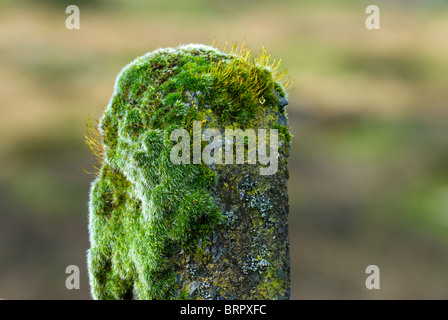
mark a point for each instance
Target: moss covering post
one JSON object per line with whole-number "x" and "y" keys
{"x": 166, "y": 226}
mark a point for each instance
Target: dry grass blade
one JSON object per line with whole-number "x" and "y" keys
{"x": 94, "y": 141}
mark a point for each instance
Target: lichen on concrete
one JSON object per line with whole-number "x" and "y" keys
{"x": 160, "y": 230}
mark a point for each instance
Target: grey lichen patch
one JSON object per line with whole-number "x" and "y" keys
{"x": 231, "y": 218}
{"x": 160, "y": 230}
{"x": 260, "y": 202}
{"x": 256, "y": 263}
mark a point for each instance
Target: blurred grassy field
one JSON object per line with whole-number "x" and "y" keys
{"x": 369, "y": 113}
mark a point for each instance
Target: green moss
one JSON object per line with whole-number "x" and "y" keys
{"x": 142, "y": 206}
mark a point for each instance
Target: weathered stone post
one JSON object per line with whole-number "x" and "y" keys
{"x": 185, "y": 205}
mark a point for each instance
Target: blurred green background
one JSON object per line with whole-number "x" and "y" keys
{"x": 369, "y": 113}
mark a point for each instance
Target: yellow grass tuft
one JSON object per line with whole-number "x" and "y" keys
{"x": 244, "y": 59}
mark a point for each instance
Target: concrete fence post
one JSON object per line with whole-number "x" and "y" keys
{"x": 191, "y": 201}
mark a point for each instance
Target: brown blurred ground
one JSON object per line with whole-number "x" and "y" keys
{"x": 369, "y": 163}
